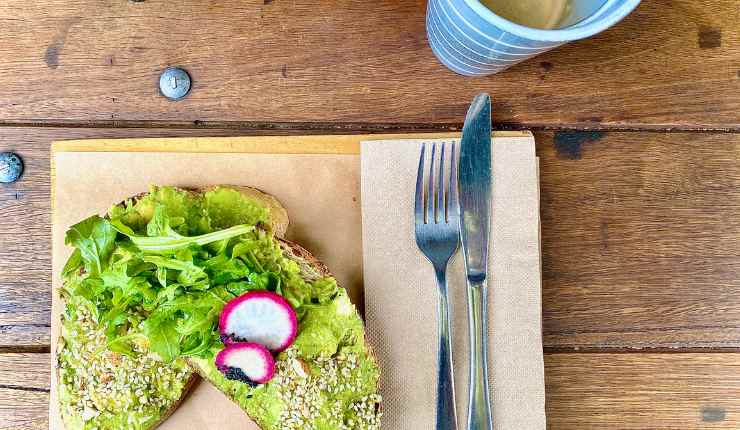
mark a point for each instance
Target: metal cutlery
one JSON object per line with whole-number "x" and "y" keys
{"x": 475, "y": 207}
{"x": 438, "y": 237}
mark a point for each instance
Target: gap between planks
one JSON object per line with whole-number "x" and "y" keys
{"x": 357, "y": 127}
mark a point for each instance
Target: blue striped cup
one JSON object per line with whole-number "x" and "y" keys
{"x": 471, "y": 40}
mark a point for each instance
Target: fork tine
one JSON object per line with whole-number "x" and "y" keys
{"x": 430, "y": 193}
{"x": 441, "y": 210}
{"x": 453, "y": 207}
{"x": 419, "y": 200}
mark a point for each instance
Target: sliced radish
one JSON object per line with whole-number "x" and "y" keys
{"x": 250, "y": 363}
{"x": 261, "y": 317}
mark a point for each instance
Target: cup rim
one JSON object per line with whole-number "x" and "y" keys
{"x": 557, "y": 35}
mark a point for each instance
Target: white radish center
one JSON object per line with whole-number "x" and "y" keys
{"x": 262, "y": 321}
{"x": 251, "y": 361}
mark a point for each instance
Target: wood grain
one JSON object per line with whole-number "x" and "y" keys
{"x": 643, "y": 391}
{"x": 584, "y": 391}
{"x": 28, "y": 372}
{"x": 640, "y": 238}
{"x": 24, "y": 391}
{"x": 671, "y": 64}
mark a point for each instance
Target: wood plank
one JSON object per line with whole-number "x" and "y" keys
{"x": 24, "y": 391}
{"x": 643, "y": 391}
{"x": 640, "y": 238}
{"x": 28, "y": 372}
{"x": 671, "y": 64}
{"x": 584, "y": 391}
{"x": 23, "y": 410}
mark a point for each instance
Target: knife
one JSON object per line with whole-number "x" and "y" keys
{"x": 474, "y": 182}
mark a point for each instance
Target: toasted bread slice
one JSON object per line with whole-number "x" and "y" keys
{"x": 184, "y": 380}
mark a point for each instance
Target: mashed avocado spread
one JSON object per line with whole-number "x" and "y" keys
{"x": 144, "y": 289}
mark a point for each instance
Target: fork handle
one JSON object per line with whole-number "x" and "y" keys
{"x": 446, "y": 409}
{"x": 479, "y": 405}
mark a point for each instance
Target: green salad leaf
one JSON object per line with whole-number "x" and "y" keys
{"x": 163, "y": 338}
{"x": 170, "y": 241}
{"x": 94, "y": 240}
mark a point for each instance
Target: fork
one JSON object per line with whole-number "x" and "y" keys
{"x": 438, "y": 237}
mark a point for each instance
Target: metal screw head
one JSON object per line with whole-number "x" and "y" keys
{"x": 11, "y": 167}
{"x": 174, "y": 83}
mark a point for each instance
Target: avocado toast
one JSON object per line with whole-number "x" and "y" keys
{"x": 151, "y": 279}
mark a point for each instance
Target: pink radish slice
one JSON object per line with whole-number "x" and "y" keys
{"x": 250, "y": 363}
{"x": 260, "y": 317}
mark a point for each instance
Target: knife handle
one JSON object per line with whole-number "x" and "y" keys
{"x": 479, "y": 405}
{"x": 446, "y": 409}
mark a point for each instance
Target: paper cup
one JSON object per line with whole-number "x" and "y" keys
{"x": 471, "y": 40}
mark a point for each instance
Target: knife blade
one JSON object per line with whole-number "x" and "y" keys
{"x": 474, "y": 180}
{"x": 474, "y": 184}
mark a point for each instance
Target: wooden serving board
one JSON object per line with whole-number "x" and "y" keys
{"x": 317, "y": 178}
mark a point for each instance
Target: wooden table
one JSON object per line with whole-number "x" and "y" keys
{"x": 638, "y": 131}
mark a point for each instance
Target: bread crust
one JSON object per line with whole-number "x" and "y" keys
{"x": 311, "y": 267}
{"x": 194, "y": 378}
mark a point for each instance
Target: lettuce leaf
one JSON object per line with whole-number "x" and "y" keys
{"x": 163, "y": 338}
{"x": 94, "y": 238}
{"x": 171, "y": 241}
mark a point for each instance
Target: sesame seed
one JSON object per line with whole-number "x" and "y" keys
{"x": 107, "y": 384}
